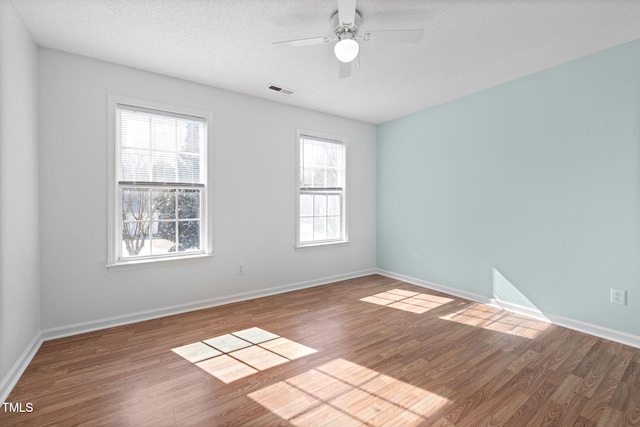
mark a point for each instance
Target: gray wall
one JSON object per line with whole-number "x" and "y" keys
{"x": 253, "y": 197}
{"x": 528, "y": 192}
{"x": 19, "y": 212}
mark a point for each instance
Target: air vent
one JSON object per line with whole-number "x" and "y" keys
{"x": 281, "y": 89}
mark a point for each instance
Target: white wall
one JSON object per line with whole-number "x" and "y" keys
{"x": 254, "y": 197}
{"x": 19, "y": 243}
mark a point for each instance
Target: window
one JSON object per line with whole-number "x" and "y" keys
{"x": 321, "y": 190}
{"x": 159, "y": 197}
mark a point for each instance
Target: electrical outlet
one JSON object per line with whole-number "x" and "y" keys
{"x": 618, "y": 296}
{"x": 240, "y": 268}
{"x": 415, "y": 258}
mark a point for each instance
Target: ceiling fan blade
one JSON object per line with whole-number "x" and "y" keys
{"x": 347, "y": 12}
{"x": 394, "y": 36}
{"x": 303, "y": 42}
{"x": 345, "y": 70}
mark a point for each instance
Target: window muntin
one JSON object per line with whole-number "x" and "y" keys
{"x": 160, "y": 183}
{"x": 321, "y": 190}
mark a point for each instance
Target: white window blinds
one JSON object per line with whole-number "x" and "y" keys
{"x": 321, "y": 163}
{"x": 159, "y": 147}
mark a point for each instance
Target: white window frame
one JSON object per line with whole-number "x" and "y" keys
{"x": 321, "y": 136}
{"x": 114, "y": 259}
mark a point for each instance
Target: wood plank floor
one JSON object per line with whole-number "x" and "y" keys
{"x": 368, "y": 351}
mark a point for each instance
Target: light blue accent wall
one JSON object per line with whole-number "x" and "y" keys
{"x": 534, "y": 183}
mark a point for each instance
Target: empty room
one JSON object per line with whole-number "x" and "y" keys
{"x": 327, "y": 213}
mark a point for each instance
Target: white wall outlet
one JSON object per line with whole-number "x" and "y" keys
{"x": 240, "y": 268}
{"x": 618, "y": 296}
{"x": 415, "y": 258}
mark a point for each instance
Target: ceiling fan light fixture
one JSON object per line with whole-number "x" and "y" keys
{"x": 346, "y": 50}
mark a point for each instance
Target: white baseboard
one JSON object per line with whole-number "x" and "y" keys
{"x": 566, "y": 322}
{"x": 10, "y": 380}
{"x": 596, "y": 330}
{"x": 94, "y": 325}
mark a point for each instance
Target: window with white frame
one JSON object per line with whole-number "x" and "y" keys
{"x": 160, "y": 185}
{"x": 321, "y": 190}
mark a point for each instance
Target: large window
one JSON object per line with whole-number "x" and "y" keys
{"x": 321, "y": 190}
{"x": 160, "y": 185}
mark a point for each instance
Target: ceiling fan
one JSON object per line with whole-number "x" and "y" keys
{"x": 345, "y": 24}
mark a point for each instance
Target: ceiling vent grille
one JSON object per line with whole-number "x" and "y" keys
{"x": 281, "y": 89}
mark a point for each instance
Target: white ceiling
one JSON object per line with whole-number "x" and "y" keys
{"x": 469, "y": 45}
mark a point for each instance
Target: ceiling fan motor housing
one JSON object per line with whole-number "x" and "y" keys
{"x": 343, "y": 30}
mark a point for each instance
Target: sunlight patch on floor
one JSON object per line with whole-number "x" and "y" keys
{"x": 413, "y": 302}
{"x": 345, "y": 393}
{"x": 482, "y": 316}
{"x": 239, "y": 354}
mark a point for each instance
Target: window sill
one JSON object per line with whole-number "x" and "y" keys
{"x": 319, "y": 245}
{"x": 157, "y": 262}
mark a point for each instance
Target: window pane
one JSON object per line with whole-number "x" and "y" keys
{"x": 134, "y": 165}
{"x": 319, "y": 228}
{"x": 163, "y": 133}
{"x": 307, "y": 153}
{"x": 188, "y": 168}
{"x": 137, "y": 211}
{"x": 332, "y": 155}
{"x": 307, "y": 178}
{"x": 319, "y": 205}
{"x": 306, "y": 229}
{"x": 188, "y": 235}
{"x": 306, "y": 205}
{"x": 333, "y": 227}
{"x": 165, "y": 235}
{"x": 165, "y": 204}
{"x": 332, "y": 178}
{"x": 318, "y": 178}
{"x": 333, "y": 204}
{"x": 135, "y": 236}
{"x": 164, "y": 167}
{"x": 188, "y": 204}
{"x": 319, "y": 154}
{"x": 136, "y": 204}
{"x": 134, "y": 129}
{"x": 190, "y": 134}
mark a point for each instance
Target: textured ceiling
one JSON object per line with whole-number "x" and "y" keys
{"x": 469, "y": 45}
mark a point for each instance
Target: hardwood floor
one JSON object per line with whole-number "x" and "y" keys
{"x": 368, "y": 351}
